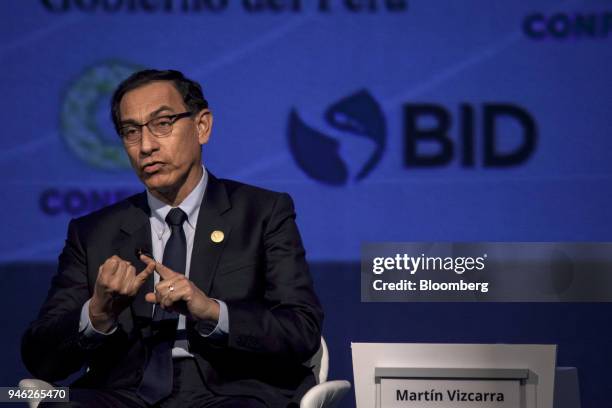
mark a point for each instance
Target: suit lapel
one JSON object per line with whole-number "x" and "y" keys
{"x": 206, "y": 252}
{"x": 135, "y": 235}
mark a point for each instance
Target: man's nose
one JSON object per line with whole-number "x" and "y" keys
{"x": 148, "y": 141}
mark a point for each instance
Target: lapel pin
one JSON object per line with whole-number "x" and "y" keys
{"x": 217, "y": 236}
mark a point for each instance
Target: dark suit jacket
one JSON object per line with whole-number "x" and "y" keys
{"x": 259, "y": 270}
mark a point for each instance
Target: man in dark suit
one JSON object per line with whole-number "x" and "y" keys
{"x": 193, "y": 293}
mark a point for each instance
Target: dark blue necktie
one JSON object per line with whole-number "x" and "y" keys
{"x": 157, "y": 378}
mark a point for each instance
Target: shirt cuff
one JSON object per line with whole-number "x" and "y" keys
{"x": 218, "y": 331}
{"x": 87, "y": 329}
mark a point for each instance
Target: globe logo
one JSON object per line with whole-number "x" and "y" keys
{"x": 318, "y": 154}
{"x": 84, "y": 121}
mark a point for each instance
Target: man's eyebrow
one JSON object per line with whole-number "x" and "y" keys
{"x": 151, "y": 115}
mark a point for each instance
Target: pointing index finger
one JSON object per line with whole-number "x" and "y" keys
{"x": 145, "y": 273}
{"x": 164, "y": 271}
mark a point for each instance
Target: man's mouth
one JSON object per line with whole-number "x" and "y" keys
{"x": 152, "y": 167}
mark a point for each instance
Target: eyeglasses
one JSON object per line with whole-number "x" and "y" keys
{"x": 160, "y": 126}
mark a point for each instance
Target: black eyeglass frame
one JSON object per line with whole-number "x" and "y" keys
{"x": 173, "y": 119}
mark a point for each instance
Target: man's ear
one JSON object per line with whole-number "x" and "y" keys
{"x": 204, "y": 122}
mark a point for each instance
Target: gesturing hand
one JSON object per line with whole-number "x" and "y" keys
{"x": 116, "y": 285}
{"x": 177, "y": 293}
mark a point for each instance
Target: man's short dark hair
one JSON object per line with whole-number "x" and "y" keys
{"x": 190, "y": 90}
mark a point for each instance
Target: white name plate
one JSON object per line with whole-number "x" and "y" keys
{"x": 441, "y": 393}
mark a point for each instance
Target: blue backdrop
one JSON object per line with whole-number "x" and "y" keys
{"x": 386, "y": 120}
